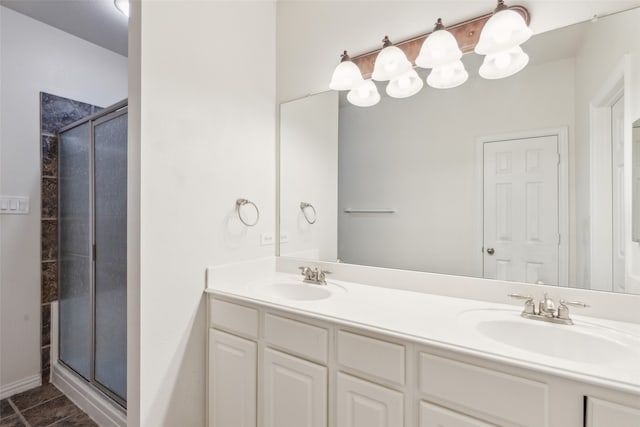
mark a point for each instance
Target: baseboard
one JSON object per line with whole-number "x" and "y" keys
{"x": 99, "y": 407}
{"x": 8, "y": 390}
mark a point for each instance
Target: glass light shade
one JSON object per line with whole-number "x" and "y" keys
{"x": 122, "y": 6}
{"x": 405, "y": 85}
{"x": 439, "y": 49}
{"x": 390, "y": 63}
{"x": 448, "y": 76}
{"x": 504, "y": 30}
{"x": 346, "y": 76}
{"x": 364, "y": 95}
{"x": 503, "y": 64}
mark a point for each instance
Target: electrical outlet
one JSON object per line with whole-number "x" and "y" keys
{"x": 266, "y": 239}
{"x": 284, "y": 237}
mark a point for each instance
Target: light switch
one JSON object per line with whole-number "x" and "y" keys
{"x": 284, "y": 237}
{"x": 14, "y": 205}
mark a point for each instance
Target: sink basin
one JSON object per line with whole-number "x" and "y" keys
{"x": 584, "y": 343}
{"x": 297, "y": 291}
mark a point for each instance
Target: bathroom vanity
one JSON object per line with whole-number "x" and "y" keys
{"x": 282, "y": 353}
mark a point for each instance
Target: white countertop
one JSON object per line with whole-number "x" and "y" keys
{"x": 441, "y": 321}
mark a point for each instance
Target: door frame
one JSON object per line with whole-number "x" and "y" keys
{"x": 617, "y": 84}
{"x": 562, "y": 133}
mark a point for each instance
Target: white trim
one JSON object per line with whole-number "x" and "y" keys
{"x": 95, "y": 404}
{"x": 616, "y": 85}
{"x": 8, "y": 390}
{"x": 100, "y": 408}
{"x": 562, "y": 133}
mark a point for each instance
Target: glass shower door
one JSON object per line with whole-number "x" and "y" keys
{"x": 74, "y": 247}
{"x": 110, "y": 194}
{"x": 92, "y": 164}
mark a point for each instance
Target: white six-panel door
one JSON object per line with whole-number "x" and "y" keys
{"x": 294, "y": 393}
{"x": 232, "y": 380}
{"x": 521, "y": 210}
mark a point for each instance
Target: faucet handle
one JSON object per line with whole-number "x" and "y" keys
{"x": 574, "y": 303}
{"x": 322, "y": 276}
{"x": 529, "y": 305}
{"x": 306, "y": 272}
{"x": 563, "y": 310}
{"x": 518, "y": 296}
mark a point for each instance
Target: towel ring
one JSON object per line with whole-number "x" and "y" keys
{"x": 303, "y": 207}
{"x": 240, "y": 203}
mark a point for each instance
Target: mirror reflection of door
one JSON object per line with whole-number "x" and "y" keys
{"x": 521, "y": 210}
{"x": 617, "y": 187}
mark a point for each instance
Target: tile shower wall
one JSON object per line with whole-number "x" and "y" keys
{"x": 55, "y": 113}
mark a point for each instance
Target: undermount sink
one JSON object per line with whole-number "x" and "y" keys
{"x": 298, "y": 291}
{"x": 583, "y": 343}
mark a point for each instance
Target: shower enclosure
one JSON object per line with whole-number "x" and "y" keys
{"x": 92, "y": 254}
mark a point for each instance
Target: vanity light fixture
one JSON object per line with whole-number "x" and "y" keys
{"x": 496, "y": 35}
{"x": 449, "y": 76}
{"x": 390, "y": 63}
{"x": 365, "y": 95}
{"x": 441, "y": 53}
{"x": 347, "y": 75}
{"x": 439, "y": 48}
{"x": 122, "y": 6}
{"x": 503, "y": 64}
{"x": 500, "y": 41}
{"x": 405, "y": 85}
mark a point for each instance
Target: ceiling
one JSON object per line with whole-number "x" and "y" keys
{"x": 96, "y": 21}
{"x": 99, "y": 22}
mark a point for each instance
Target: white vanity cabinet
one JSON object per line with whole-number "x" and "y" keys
{"x": 436, "y": 416}
{"x": 269, "y": 367}
{"x": 294, "y": 391}
{"x": 364, "y": 364}
{"x": 232, "y": 380}
{"x": 602, "y": 413}
{"x": 362, "y": 403}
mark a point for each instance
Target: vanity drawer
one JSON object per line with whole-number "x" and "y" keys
{"x": 234, "y": 317}
{"x": 602, "y": 413}
{"x": 436, "y": 416}
{"x": 371, "y": 356}
{"x": 500, "y": 396}
{"x": 300, "y": 338}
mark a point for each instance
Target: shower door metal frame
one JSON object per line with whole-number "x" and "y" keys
{"x": 105, "y": 115}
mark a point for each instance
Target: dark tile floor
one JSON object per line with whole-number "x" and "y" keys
{"x": 44, "y": 406}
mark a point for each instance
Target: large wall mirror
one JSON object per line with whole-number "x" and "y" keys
{"x": 532, "y": 178}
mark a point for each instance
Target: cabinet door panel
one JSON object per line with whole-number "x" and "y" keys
{"x": 435, "y": 416}
{"x": 364, "y": 404}
{"x": 295, "y": 391}
{"x": 601, "y": 413}
{"x": 232, "y": 380}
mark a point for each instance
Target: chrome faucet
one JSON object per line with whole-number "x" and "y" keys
{"x": 547, "y": 309}
{"x": 315, "y": 276}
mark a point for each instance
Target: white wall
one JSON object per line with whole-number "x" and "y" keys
{"x": 604, "y": 49}
{"x": 36, "y": 57}
{"x": 309, "y": 173}
{"x": 207, "y": 137}
{"x": 418, "y": 155}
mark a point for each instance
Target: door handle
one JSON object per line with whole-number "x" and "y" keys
{"x": 490, "y": 251}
